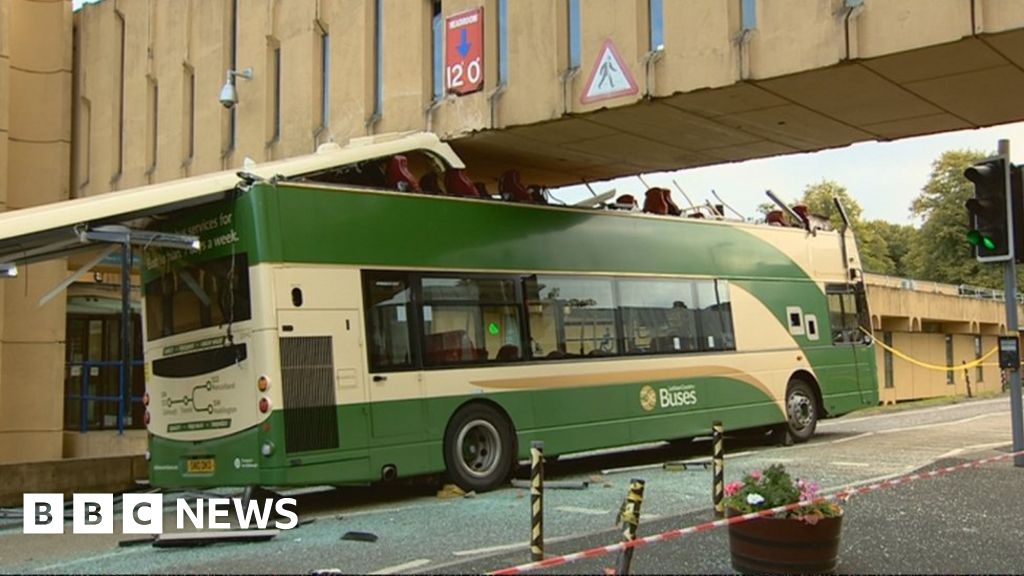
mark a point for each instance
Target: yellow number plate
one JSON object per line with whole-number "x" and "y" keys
{"x": 201, "y": 466}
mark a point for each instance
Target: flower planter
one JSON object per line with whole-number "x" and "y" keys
{"x": 784, "y": 545}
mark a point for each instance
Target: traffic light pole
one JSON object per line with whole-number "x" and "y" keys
{"x": 1016, "y": 421}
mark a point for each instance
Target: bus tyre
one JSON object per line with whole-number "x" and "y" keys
{"x": 478, "y": 448}
{"x": 801, "y": 411}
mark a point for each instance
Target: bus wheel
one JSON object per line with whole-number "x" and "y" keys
{"x": 801, "y": 410}
{"x": 478, "y": 448}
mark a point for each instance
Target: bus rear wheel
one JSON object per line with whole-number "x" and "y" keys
{"x": 801, "y": 410}
{"x": 478, "y": 448}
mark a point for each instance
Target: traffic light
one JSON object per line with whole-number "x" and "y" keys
{"x": 989, "y": 226}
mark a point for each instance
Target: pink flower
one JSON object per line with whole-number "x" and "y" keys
{"x": 732, "y": 488}
{"x": 756, "y": 474}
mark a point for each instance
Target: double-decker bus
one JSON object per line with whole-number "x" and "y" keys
{"x": 340, "y": 327}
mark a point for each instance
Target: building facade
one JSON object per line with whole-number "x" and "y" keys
{"x": 124, "y": 93}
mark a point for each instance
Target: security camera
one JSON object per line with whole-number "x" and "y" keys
{"x": 228, "y": 94}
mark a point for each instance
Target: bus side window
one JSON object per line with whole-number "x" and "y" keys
{"x": 387, "y": 320}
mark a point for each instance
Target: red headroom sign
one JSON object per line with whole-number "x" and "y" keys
{"x": 464, "y": 52}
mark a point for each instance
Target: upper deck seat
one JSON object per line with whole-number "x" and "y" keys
{"x": 429, "y": 183}
{"x": 626, "y": 202}
{"x": 512, "y": 189}
{"x": 672, "y": 208}
{"x": 654, "y": 202}
{"x": 398, "y": 175}
{"x": 775, "y": 218}
{"x": 458, "y": 184}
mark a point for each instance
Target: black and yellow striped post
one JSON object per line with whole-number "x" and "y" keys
{"x": 537, "y": 501}
{"x": 630, "y": 517}
{"x": 718, "y": 493}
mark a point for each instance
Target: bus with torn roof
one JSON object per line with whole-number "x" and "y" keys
{"x": 386, "y": 317}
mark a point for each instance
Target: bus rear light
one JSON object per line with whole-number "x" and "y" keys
{"x": 145, "y": 399}
{"x": 267, "y": 449}
{"x": 263, "y": 384}
{"x": 264, "y": 405}
{"x": 145, "y": 418}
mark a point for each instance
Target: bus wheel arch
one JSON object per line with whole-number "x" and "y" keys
{"x": 480, "y": 446}
{"x": 803, "y": 405}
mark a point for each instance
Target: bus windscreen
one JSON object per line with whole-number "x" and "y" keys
{"x": 198, "y": 295}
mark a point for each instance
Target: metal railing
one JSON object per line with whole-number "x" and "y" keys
{"x": 85, "y": 398}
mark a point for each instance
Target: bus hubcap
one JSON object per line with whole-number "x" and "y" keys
{"x": 801, "y": 410}
{"x": 480, "y": 446}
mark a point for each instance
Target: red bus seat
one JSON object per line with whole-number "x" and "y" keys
{"x": 398, "y": 175}
{"x": 654, "y": 202}
{"x": 510, "y": 188}
{"x": 458, "y": 184}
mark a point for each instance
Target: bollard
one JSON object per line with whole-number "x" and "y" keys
{"x": 537, "y": 501}
{"x": 718, "y": 488}
{"x": 630, "y": 517}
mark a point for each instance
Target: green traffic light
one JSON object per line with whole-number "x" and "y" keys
{"x": 975, "y": 238}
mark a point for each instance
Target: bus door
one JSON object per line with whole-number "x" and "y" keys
{"x": 851, "y": 328}
{"x": 322, "y": 385}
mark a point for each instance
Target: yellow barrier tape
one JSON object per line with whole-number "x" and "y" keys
{"x": 964, "y": 366}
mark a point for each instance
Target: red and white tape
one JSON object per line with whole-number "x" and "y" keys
{"x": 680, "y": 532}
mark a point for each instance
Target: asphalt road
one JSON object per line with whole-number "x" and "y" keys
{"x": 962, "y": 523}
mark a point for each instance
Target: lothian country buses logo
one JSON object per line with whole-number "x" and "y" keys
{"x": 648, "y": 398}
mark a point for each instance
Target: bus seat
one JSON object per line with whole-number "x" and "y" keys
{"x": 398, "y": 175}
{"x": 654, "y": 202}
{"x": 775, "y": 218}
{"x": 512, "y": 189}
{"x": 448, "y": 347}
{"x": 672, "y": 208}
{"x": 458, "y": 184}
{"x": 508, "y": 352}
{"x": 626, "y": 202}
{"x": 803, "y": 212}
{"x": 429, "y": 183}
{"x": 481, "y": 188}
{"x": 537, "y": 194}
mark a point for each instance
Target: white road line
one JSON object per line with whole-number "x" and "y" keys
{"x": 901, "y": 413}
{"x": 400, "y": 567}
{"x": 60, "y": 566}
{"x": 578, "y": 510}
{"x": 852, "y": 464}
{"x": 939, "y": 424}
{"x": 504, "y": 547}
{"x": 973, "y": 448}
{"x": 857, "y": 437}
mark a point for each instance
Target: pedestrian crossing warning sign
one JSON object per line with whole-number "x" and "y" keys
{"x": 610, "y": 77}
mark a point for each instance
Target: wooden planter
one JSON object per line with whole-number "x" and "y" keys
{"x": 784, "y": 545}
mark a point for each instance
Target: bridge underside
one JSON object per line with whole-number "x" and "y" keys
{"x": 971, "y": 83}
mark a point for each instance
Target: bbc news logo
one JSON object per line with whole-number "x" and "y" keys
{"x": 144, "y": 513}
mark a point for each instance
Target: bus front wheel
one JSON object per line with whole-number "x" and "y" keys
{"x": 801, "y": 410}
{"x": 478, "y": 448}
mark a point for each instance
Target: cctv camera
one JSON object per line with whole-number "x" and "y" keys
{"x": 228, "y": 95}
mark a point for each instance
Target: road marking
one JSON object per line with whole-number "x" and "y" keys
{"x": 938, "y": 424}
{"x": 973, "y": 448}
{"x": 61, "y": 565}
{"x": 852, "y": 464}
{"x": 839, "y": 421}
{"x": 505, "y": 547}
{"x": 578, "y": 510}
{"x": 400, "y": 567}
{"x": 857, "y": 437}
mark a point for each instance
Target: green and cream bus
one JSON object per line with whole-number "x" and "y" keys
{"x": 338, "y": 326}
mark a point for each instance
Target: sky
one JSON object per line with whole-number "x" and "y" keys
{"x": 883, "y": 177}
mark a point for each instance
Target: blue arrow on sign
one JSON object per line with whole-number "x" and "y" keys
{"x": 464, "y": 44}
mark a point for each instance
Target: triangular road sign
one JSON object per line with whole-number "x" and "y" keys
{"x": 610, "y": 77}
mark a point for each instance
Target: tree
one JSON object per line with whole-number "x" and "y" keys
{"x": 871, "y": 241}
{"x": 940, "y": 252}
{"x": 898, "y": 239}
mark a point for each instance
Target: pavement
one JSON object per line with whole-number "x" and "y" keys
{"x": 966, "y": 522}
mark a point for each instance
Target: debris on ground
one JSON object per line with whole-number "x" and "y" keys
{"x": 359, "y": 536}
{"x": 450, "y": 491}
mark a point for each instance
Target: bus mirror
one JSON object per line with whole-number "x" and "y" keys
{"x": 866, "y": 339}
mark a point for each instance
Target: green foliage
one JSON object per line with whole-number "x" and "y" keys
{"x": 877, "y": 253}
{"x": 939, "y": 252}
{"x": 775, "y": 487}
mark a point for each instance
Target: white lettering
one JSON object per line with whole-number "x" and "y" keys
{"x": 251, "y": 512}
{"x": 219, "y": 509}
{"x": 185, "y": 510}
{"x": 674, "y": 398}
{"x": 280, "y": 507}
